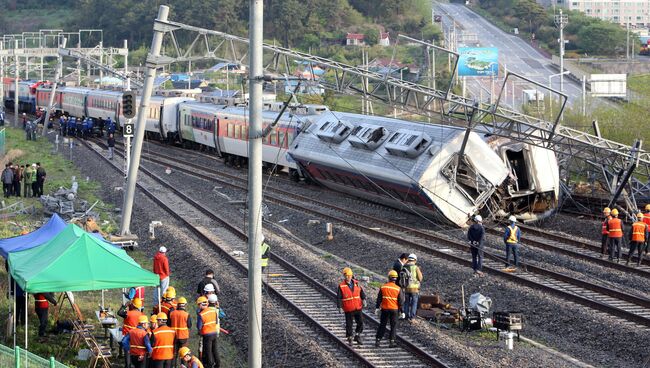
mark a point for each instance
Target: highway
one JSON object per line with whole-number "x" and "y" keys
{"x": 514, "y": 54}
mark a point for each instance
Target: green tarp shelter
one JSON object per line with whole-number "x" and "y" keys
{"x": 75, "y": 260}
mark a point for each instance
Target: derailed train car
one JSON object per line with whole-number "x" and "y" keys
{"x": 418, "y": 167}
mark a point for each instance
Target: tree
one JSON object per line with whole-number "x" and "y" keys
{"x": 601, "y": 38}
{"x": 372, "y": 36}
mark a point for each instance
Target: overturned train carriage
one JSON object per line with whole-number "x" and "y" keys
{"x": 419, "y": 167}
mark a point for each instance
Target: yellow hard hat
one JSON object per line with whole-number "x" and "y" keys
{"x": 171, "y": 292}
{"x": 143, "y": 319}
{"x": 392, "y": 274}
{"x": 181, "y": 300}
{"x": 137, "y": 302}
{"x": 347, "y": 271}
{"x": 639, "y": 215}
{"x": 161, "y": 316}
{"x": 182, "y": 352}
{"x": 154, "y": 319}
{"x": 614, "y": 212}
{"x": 607, "y": 210}
{"x": 165, "y": 295}
{"x": 201, "y": 300}
{"x": 647, "y": 207}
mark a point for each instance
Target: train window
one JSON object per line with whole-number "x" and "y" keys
{"x": 238, "y": 131}
{"x": 231, "y": 130}
{"x": 282, "y": 138}
{"x": 274, "y": 137}
{"x": 356, "y": 129}
{"x": 290, "y": 137}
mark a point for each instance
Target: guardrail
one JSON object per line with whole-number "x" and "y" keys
{"x": 19, "y": 357}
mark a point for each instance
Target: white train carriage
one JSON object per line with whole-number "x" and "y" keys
{"x": 162, "y": 116}
{"x": 104, "y": 104}
{"x": 401, "y": 164}
{"x": 73, "y": 101}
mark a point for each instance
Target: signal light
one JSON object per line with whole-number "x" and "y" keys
{"x": 128, "y": 104}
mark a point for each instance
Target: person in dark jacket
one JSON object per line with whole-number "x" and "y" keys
{"x": 475, "y": 235}
{"x": 7, "y": 180}
{"x": 41, "y": 306}
{"x": 110, "y": 142}
{"x": 18, "y": 177}
{"x": 40, "y": 178}
{"x": 208, "y": 279}
{"x": 399, "y": 263}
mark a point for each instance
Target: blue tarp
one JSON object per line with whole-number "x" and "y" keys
{"x": 37, "y": 237}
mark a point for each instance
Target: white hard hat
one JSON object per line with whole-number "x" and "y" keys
{"x": 24, "y": 114}
{"x": 413, "y": 256}
{"x": 162, "y": 249}
{"x": 512, "y": 219}
{"x": 212, "y": 298}
{"x": 478, "y": 218}
{"x": 208, "y": 287}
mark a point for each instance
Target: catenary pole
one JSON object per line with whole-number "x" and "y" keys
{"x": 156, "y": 44}
{"x": 255, "y": 186}
{"x": 50, "y": 105}
{"x": 17, "y": 74}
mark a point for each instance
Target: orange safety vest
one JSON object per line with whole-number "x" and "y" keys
{"x": 178, "y": 320}
{"x": 40, "y": 302}
{"x": 163, "y": 348}
{"x": 210, "y": 319}
{"x": 615, "y": 228}
{"x": 136, "y": 342}
{"x": 604, "y": 231}
{"x": 165, "y": 307}
{"x": 638, "y": 231}
{"x": 196, "y": 361}
{"x": 131, "y": 321}
{"x": 351, "y": 299}
{"x": 389, "y": 296}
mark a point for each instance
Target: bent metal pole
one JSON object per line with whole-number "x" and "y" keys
{"x": 132, "y": 176}
{"x": 255, "y": 186}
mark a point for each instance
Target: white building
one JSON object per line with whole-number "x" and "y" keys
{"x": 634, "y": 12}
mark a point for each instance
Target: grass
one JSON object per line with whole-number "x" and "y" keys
{"x": 59, "y": 173}
{"x": 640, "y": 84}
{"x": 29, "y": 20}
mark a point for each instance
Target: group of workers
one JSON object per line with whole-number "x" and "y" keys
{"x": 612, "y": 235}
{"x": 85, "y": 126}
{"x": 397, "y": 298}
{"x": 158, "y": 341}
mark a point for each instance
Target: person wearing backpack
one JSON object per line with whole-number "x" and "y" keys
{"x": 411, "y": 277}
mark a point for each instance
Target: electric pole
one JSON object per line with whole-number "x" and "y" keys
{"x": 561, "y": 21}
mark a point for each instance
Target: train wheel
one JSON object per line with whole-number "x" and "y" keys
{"x": 293, "y": 175}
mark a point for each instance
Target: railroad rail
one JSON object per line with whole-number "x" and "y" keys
{"x": 603, "y": 298}
{"x": 296, "y": 289}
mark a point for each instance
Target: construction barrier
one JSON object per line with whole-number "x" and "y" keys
{"x": 21, "y": 358}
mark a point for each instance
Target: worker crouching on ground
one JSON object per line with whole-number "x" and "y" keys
{"x": 181, "y": 322}
{"x": 389, "y": 300}
{"x": 208, "y": 326}
{"x": 411, "y": 277}
{"x": 475, "y": 235}
{"x": 604, "y": 233}
{"x": 41, "y": 306}
{"x": 188, "y": 360}
{"x": 511, "y": 237}
{"x": 137, "y": 345}
{"x": 638, "y": 237}
{"x": 351, "y": 299}
{"x": 163, "y": 344}
{"x": 615, "y": 234}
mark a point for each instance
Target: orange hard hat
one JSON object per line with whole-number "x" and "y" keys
{"x": 154, "y": 319}
{"x": 143, "y": 319}
{"x": 162, "y": 316}
{"x": 201, "y": 300}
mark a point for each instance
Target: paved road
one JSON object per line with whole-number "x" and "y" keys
{"x": 514, "y": 53}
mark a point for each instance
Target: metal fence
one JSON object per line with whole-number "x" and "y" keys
{"x": 20, "y": 358}
{"x": 3, "y": 149}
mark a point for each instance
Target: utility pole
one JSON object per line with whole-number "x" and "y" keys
{"x": 255, "y": 77}
{"x": 156, "y": 44}
{"x": 2, "y": 77}
{"x": 561, "y": 21}
{"x": 17, "y": 74}
{"x": 50, "y": 104}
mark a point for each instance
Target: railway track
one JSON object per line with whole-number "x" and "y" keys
{"x": 302, "y": 294}
{"x": 605, "y": 299}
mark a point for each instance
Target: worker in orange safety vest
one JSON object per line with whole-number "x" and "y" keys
{"x": 137, "y": 344}
{"x": 389, "y": 301}
{"x": 188, "y": 360}
{"x": 181, "y": 322}
{"x": 604, "y": 233}
{"x": 208, "y": 325}
{"x": 163, "y": 344}
{"x": 646, "y": 219}
{"x": 638, "y": 237}
{"x": 131, "y": 316}
{"x": 615, "y": 235}
{"x": 350, "y": 300}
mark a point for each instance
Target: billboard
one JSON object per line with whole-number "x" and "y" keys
{"x": 478, "y": 61}
{"x": 609, "y": 85}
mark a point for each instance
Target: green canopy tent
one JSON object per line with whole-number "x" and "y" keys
{"x": 75, "y": 260}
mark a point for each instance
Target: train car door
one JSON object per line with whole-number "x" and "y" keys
{"x": 161, "y": 129}
{"x": 215, "y": 135}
